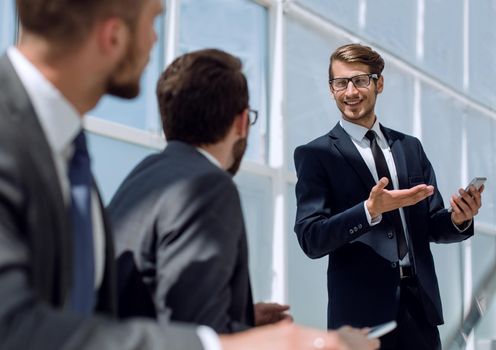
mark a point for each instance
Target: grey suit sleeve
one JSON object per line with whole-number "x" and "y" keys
{"x": 201, "y": 263}
{"x": 27, "y": 322}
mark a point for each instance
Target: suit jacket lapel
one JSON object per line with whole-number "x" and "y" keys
{"x": 35, "y": 147}
{"x": 345, "y": 146}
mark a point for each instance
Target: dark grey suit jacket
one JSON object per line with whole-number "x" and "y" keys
{"x": 181, "y": 218}
{"x": 35, "y": 249}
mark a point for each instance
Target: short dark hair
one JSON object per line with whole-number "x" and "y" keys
{"x": 199, "y": 96}
{"x": 70, "y": 21}
{"x": 357, "y": 53}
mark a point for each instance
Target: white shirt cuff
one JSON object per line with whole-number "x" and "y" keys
{"x": 465, "y": 226}
{"x": 371, "y": 222}
{"x": 209, "y": 339}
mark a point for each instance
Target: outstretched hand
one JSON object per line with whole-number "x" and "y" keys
{"x": 382, "y": 200}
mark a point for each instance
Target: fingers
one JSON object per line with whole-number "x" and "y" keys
{"x": 352, "y": 338}
{"x": 381, "y": 184}
{"x": 466, "y": 205}
{"x": 267, "y": 313}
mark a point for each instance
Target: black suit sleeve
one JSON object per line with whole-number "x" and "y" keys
{"x": 320, "y": 228}
{"x": 201, "y": 257}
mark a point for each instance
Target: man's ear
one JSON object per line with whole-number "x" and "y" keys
{"x": 380, "y": 84}
{"x": 113, "y": 37}
{"x": 241, "y": 123}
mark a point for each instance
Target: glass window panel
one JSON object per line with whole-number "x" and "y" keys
{"x": 307, "y": 278}
{"x": 481, "y": 154}
{"x": 239, "y": 27}
{"x": 442, "y": 119}
{"x": 393, "y": 25}
{"x": 447, "y": 259}
{"x": 7, "y": 23}
{"x": 345, "y": 13}
{"x": 443, "y": 49}
{"x": 310, "y": 110}
{"x": 141, "y": 112}
{"x": 394, "y": 106}
{"x": 483, "y": 259}
{"x": 485, "y": 332}
{"x": 256, "y": 201}
{"x": 112, "y": 160}
{"x": 482, "y": 51}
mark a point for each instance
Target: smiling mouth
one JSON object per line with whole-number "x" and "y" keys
{"x": 352, "y": 102}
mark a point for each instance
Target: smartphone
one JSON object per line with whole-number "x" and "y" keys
{"x": 379, "y": 330}
{"x": 477, "y": 182}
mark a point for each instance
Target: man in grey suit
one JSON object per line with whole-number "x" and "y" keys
{"x": 70, "y": 54}
{"x": 179, "y": 213}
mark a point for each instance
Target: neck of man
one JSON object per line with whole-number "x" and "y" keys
{"x": 70, "y": 71}
{"x": 221, "y": 151}
{"x": 367, "y": 122}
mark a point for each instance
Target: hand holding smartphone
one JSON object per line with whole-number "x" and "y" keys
{"x": 477, "y": 182}
{"x": 379, "y": 330}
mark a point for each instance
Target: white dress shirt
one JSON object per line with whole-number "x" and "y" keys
{"x": 357, "y": 135}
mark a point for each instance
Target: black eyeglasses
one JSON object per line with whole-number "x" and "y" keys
{"x": 360, "y": 81}
{"x": 252, "y": 116}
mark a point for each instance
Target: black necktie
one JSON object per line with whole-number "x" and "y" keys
{"x": 383, "y": 171}
{"x": 82, "y": 293}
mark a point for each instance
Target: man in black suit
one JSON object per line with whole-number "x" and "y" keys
{"x": 57, "y": 275}
{"x": 367, "y": 198}
{"x": 179, "y": 212}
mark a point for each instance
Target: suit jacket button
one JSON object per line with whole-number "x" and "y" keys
{"x": 355, "y": 229}
{"x": 390, "y": 235}
{"x": 393, "y": 265}
{"x": 360, "y": 226}
{"x": 351, "y": 231}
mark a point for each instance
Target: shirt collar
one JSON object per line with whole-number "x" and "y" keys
{"x": 357, "y": 132}
{"x": 210, "y": 157}
{"x": 58, "y": 118}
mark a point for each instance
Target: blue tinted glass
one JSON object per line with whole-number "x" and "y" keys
{"x": 141, "y": 112}
{"x": 112, "y": 160}
{"x": 7, "y": 24}
{"x": 443, "y": 54}
{"x": 394, "y": 106}
{"x": 310, "y": 111}
{"x": 307, "y": 282}
{"x": 240, "y": 28}
{"x": 393, "y": 25}
{"x": 482, "y": 51}
{"x": 256, "y": 201}
{"x": 345, "y": 13}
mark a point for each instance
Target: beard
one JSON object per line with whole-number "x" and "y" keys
{"x": 238, "y": 152}
{"x": 127, "y": 89}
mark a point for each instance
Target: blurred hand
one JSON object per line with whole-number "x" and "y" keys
{"x": 267, "y": 313}
{"x": 288, "y": 336}
{"x": 353, "y": 338}
{"x": 382, "y": 200}
{"x": 466, "y": 205}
